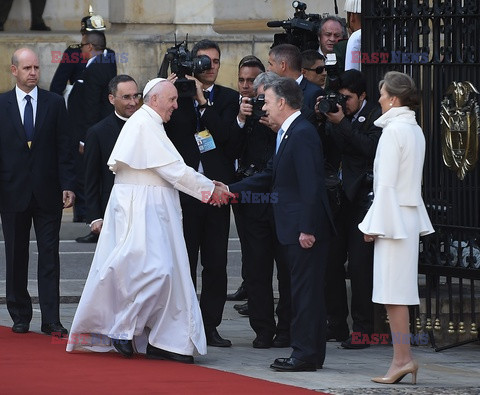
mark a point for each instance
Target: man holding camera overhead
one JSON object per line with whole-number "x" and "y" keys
{"x": 351, "y": 139}
{"x": 200, "y": 131}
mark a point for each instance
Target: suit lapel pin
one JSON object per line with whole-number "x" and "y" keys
{"x": 361, "y": 119}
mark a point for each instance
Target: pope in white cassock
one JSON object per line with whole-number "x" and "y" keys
{"x": 139, "y": 294}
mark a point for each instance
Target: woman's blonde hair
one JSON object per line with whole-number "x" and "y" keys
{"x": 402, "y": 86}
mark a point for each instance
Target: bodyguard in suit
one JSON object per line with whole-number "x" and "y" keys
{"x": 352, "y": 134}
{"x": 36, "y": 180}
{"x": 101, "y": 139}
{"x": 286, "y": 61}
{"x": 254, "y": 220}
{"x": 88, "y": 103}
{"x": 200, "y": 130}
{"x": 294, "y": 181}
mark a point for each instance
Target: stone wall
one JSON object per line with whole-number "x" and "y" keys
{"x": 140, "y": 31}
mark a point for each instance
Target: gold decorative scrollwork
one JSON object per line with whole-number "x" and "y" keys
{"x": 460, "y": 117}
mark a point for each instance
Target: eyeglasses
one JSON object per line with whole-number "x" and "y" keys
{"x": 83, "y": 44}
{"x": 318, "y": 69}
{"x": 136, "y": 96}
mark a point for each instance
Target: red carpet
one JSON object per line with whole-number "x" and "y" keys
{"x": 34, "y": 364}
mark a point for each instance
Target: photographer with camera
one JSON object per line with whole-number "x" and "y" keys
{"x": 199, "y": 129}
{"x": 254, "y": 219}
{"x": 349, "y": 131}
{"x": 286, "y": 61}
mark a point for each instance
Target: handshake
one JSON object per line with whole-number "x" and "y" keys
{"x": 220, "y": 195}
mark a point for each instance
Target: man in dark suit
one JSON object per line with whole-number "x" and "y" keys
{"x": 294, "y": 182}
{"x": 286, "y": 61}
{"x": 88, "y": 103}
{"x": 101, "y": 138}
{"x": 351, "y": 133}
{"x": 200, "y": 130}
{"x": 254, "y": 220}
{"x": 35, "y": 184}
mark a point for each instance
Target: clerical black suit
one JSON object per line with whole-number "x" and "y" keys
{"x": 88, "y": 104}
{"x": 295, "y": 177}
{"x": 357, "y": 143}
{"x": 206, "y": 227}
{"x": 31, "y": 185}
{"x": 99, "y": 179}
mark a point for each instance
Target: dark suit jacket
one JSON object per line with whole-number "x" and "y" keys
{"x": 217, "y": 163}
{"x": 310, "y": 94}
{"x": 101, "y": 139}
{"x": 357, "y": 143}
{"x": 42, "y": 171}
{"x": 295, "y": 175}
{"x": 88, "y": 101}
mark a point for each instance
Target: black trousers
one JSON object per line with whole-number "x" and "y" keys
{"x": 206, "y": 230}
{"x": 36, "y": 7}
{"x": 16, "y": 231}
{"x": 309, "y": 319}
{"x": 260, "y": 249}
{"x": 349, "y": 245}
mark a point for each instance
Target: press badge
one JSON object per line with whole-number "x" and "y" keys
{"x": 205, "y": 141}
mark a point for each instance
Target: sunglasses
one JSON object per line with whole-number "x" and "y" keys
{"x": 318, "y": 70}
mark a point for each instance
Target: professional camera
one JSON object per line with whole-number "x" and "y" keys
{"x": 257, "y": 103}
{"x": 300, "y": 31}
{"x": 180, "y": 60}
{"x": 333, "y": 73}
{"x": 330, "y": 101}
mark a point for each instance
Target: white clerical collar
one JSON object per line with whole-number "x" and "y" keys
{"x": 119, "y": 116}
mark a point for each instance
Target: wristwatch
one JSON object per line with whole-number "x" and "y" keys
{"x": 208, "y": 103}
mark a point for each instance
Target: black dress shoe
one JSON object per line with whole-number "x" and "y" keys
{"x": 243, "y": 310}
{"x": 41, "y": 27}
{"x": 348, "y": 344}
{"x": 240, "y": 294}
{"x": 262, "y": 341}
{"x": 158, "y": 353}
{"x": 124, "y": 347}
{"x": 293, "y": 365}
{"x": 90, "y": 238}
{"x": 215, "y": 340}
{"x": 20, "y": 327}
{"x": 55, "y": 329}
{"x": 281, "y": 340}
{"x": 240, "y": 306}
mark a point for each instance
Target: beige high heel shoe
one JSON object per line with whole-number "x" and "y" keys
{"x": 411, "y": 367}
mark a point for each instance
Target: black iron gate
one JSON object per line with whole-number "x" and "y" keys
{"x": 438, "y": 43}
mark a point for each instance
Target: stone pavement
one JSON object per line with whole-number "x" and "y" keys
{"x": 452, "y": 371}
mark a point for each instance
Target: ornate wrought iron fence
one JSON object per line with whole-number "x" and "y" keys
{"x": 437, "y": 42}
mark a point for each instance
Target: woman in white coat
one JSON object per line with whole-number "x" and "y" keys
{"x": 397, "y": 216}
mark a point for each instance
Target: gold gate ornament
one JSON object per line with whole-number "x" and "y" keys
{"x": 460, "y": 117}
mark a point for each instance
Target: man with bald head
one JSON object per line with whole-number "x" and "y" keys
{"x": 37, "y": 179}
{"x": 139, "y": 294}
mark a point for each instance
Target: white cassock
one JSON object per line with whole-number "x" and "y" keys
{"x": 139, "y": 285}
